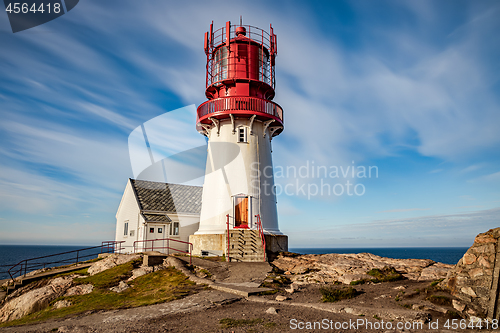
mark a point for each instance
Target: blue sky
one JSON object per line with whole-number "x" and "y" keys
{"x": 411, "y": 87}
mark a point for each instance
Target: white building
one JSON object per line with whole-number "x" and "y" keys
{"x": 157, "y": 216}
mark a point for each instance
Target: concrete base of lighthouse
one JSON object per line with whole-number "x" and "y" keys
{"x": 216, "y": 244}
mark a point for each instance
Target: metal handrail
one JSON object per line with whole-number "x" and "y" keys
{"x": 27, "y": 265}
{"x": 241, "y": 103}
{"x": 168, "y": 248}
{"x": 261, "y": 233}
{"x": 227, "y": 254}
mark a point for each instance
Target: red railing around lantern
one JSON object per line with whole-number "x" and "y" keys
{"x": 245, "y": 105}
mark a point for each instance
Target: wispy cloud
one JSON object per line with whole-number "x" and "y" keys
{"x": 402, "y": 210}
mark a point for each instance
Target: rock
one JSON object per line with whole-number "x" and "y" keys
{"x": 34, "y": 300}
{"x": 400, "y": 287}
{"x": 351, "y": 311}
{"x": 271, "y": 311}
{"x": 472, "y": 280}
{"x": 140, "y": 272}
{"x": 458, "y": 306}
{"x": 280, "y": 298}
{"x": 80, "y": 290}
{"x": 289, "y": 290}
{"x": 468, "y": 291}
{"x": 435, "y": 272}
{"x": 110, "y": 262}
{"x": 122, "y": 286}
{"x": 61, "y": 304}
{"x": 345, "y": 268}
{"x": 469, "y": 259}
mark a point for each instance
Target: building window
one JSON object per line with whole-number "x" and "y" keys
{"x": 174, "y": 228}
{"x": 151, "y": 230}
{"x": 242, "y": 134}
{"x": 125, "y": 229}
{"x": 160, "y": 230}
{"x": 132, "y": 233}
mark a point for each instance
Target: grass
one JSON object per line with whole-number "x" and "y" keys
{"x": 356, "y": 282}
{"x": 439, "y": 300}
{"x": 377, "y": 317}
{"x": 386, "y": 274}
{"x": 158, "y": 287}
{"x": 279, "y": 282}
{"x": 435, "y": 283}
{"x": 207, "y": 273}
{"x": 331, "y": 294}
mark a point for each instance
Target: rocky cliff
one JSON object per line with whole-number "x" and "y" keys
{"x": 475, "y": 278}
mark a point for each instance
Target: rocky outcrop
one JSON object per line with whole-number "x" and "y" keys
{"x": 345, "y": 268}
{"x": 82, "y": 289}
{"x": 110, "y": 262}
{"x": 34, "y": 300}
{"x": 475, "y": 278}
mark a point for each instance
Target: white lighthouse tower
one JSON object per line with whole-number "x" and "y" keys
{"x": 238, "y": 215}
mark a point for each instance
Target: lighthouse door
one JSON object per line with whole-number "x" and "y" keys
{"x": 241, "y": 212}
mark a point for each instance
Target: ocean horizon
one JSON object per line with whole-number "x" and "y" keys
{"x": 13, "y": 254}
{"x": 446, "y": 255}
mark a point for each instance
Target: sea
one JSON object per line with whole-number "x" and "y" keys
{"x": 446, "y": 255}
{"x": 12, "y": 254}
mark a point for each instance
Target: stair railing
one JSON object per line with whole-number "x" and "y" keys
{"x": 261, "y": 233}
{"x": 227, "y": 253}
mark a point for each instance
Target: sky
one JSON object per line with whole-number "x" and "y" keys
{"x": 407, "y": 89}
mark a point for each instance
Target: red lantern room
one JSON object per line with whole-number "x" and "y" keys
{"x": 240, "y": 76}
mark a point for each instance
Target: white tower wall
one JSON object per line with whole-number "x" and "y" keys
{"x": 238, "y": 168}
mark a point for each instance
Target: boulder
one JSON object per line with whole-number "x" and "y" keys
{"x": 110, "y": 262}
{"x": 474, "y": 280}
{"x": 34, "y": 300}
{"x": 140, "y": 272}
{"x": 62, "y": 304}
{"x": 122, "y": 286}
{"x": 80, "y": 290}
{"x": 271, "y": 311}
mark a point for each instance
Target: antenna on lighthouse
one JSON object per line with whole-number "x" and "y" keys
{"x": 241, "y": 20}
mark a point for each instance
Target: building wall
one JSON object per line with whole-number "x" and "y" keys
{"x": 238, "y": 168}
{"x": 128, "y": 211}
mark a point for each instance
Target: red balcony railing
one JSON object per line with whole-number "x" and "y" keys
{"x": 244, "y": 105}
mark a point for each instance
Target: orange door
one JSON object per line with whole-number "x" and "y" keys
{"x": 241, "y": 213}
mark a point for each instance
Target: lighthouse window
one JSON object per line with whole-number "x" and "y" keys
{"x": 242, "y": 134}
{"x": 125, "y": 229}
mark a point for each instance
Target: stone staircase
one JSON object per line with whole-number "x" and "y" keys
{"x": 245, "y": 245}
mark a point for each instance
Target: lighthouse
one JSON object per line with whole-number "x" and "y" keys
{"x": 240, "y": 119}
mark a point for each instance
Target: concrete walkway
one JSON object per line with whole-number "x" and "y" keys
{"x": 239, "y": 278}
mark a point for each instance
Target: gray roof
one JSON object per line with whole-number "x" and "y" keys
{"x": 156, "y": 218}
{"x": 156, "y": 197}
